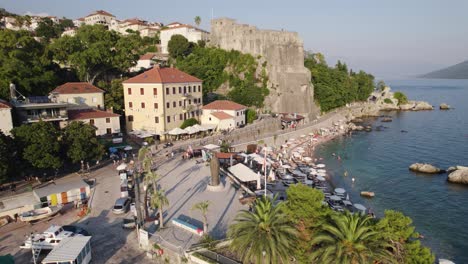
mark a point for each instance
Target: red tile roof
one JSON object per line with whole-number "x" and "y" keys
{"x": 89, "y": 114}
{"x": 101, "y": 12}
{"x": 163, "y": 75}
{"x": 77, "y": 88}
{"x": 147, "y": 56}
{"x": 224, "y": 105}
{"x": 222, "y": 155}
{"x": 221, "y": 115}
{"x": 174, "y": 23}
{"x": 4, "y": 104}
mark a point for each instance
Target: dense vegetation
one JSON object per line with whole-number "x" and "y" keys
{"x": 337, "y": 86}
{"x": 401, "y": 97}
{"x": 322, "y": 235}
{"x": 217, "y": 67}
{"x": 43, "y": 147}
{"x": 189, "y": 122}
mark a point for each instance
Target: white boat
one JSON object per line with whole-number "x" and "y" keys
{"x": 40, "y": 213}
{"x": 47, "y": 240}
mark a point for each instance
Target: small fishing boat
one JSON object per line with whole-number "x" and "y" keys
{"x": 367, "y": 194}
{"x": 47, "y": 240}
{"x": 40, "y": 213}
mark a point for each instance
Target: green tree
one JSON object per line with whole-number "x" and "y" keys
{"x": 401, "y": 97}
{"x": 26, "y": 63}
{"x": 381, "y": 85}
{"x": 178, "y": 46}
{"x": 114, "y": 97}
{"x": 40, "y": 144}
{"x": 8, "y": 158}
{"x": 264, "y": 235}
{"x": 305, "y": 209}
{"x": 349, "y": 238}
{"x": 251, "y": 115}
{"x": 225, "y": 146}
{"x": 203, "y": 207}
{"x": 197, "y": 20}
{"x": 189, "y": 122}
{"x": 80, "y": 142}
{"x": 159, "y": 200}
{"x": 47, "y": 29}
{"x": 95, "y": 51}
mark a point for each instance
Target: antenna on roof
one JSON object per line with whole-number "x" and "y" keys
{"x": 212, "y": 13}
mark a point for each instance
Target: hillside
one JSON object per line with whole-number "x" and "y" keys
{"x": 458, "y": 71}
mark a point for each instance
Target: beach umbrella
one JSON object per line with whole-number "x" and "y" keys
{"x": 122, "y": 166}
{"x": 320, "y": 166}
{"x": 199, "y": 128}
{"x": 360, "y": 207}
{"x": 259, "y": 185}
{"x": 340, "y": 191}
{"x": 321, "y": 178}
{"x": 191, "y": 130}
{"x": 177, "y": 131}
{"x": 128, "y": 148}
{"x": 335, "y": 198}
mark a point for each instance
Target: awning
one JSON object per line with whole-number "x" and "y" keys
{"x": 211, "y": 147}
{"x": 192, "y": 130}
{"x": 243, "y": 173}
{"x": 177, "y": 131}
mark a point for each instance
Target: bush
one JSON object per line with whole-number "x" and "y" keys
{"x": 251, "y": 116}
{"x": 388, "y": 101}
{"x": 401, "y": 97}
{"x": 189, "y": 122}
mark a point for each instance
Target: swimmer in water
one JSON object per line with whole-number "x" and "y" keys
{"x": 353, "y": 179}
{"x": 346, "y": 173}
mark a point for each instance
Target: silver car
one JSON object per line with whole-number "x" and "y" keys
{"x": 122, "y": 205}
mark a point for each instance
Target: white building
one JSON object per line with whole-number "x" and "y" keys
{"x": 145, "y": 61}
{"x": 100, "y": 17}
{"x": 224, "y": 114}
{"x": 106, "y": 123}
{"x": 6, "y": 122}
{"x": 191, "y": 33}
{"x": 79, "y": 95}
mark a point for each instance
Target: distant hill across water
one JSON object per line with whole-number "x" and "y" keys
{"x": 457, "y": 71}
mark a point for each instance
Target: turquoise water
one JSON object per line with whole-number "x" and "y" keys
{"x": 379, "y": 162}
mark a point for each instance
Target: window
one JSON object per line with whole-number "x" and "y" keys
{"x": 155, "y": 105}
{"x": 199, "y": 88}
{"x": 173, "y": 90}
{"x": 180, "y": 89}
{"x": 91, "y": 122}
{"x": 189, "y": 101}
{"x": 129, "y": 91}
{"x": 108, "y": 120}
{"x": 237, "y": 113}
{"x": 168, "y": 105}
{"x": 94, "y": 99}
{"x": 189, "y": 89}
{"x": 174, "y": 104}
{"x": 109, "y": 131}
{"x": 185, "y": 90}
{"x": 130, "y": 118}
{"x": 180, "y": 103}
{"x": 142, "y": 105}
{"x": 142, "y": 91}
{"x": 130, "y": 104}
{"x": 156, "y": 119}
{"x": 181, "y": 116}
{"x": 167, "y": 90}
{"x": 168, "y": 119}
{"x": 210, "y": 118}
{"x": 155, "y": 91}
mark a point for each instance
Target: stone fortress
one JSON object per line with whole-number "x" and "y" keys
{"x": 289, "y": 81}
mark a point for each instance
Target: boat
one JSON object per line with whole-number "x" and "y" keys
{"x": 47, "y": 240}
{"x": 367, "y": 194}
{"x": 40, "y": 213}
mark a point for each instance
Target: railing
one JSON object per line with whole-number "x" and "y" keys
{"x": 217, "y": 257}
{"x": 44, "y": 117}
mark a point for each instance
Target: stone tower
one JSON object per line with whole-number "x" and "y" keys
{"x": 289, "y": 81}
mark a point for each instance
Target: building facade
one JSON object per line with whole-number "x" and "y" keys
{"x": 191, "y": 33}
{"x": 160, "y": 99}
{"x": 99, "y": 17}
{"x": 224, "y": 114}
{"x": 79, "y": 95}
{"x": 106, "y": 123}
{"x": 6, "y": 120}
{"x": 144, "y": 62}
{"x": 35, "y": 108}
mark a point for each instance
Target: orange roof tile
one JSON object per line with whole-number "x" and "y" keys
{"x": 224, "y": 105}
{"x": 77, "y": 88}
{"x": 147, "y": 56}
{"x": 221, "y": 115}
{"x": 163, "y": 75}
{"x": 222, "y": 155}
{"x": 4, "y": 104}
{"x": 89, "y": 114}
{"x": 101, "y": 12}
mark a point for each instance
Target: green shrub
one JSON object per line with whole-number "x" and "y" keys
{"x": 388, "y": 101}
{"x": 401, "y": 97}
{"x": 189, "y": 122}
{"x": 251, "y": 116}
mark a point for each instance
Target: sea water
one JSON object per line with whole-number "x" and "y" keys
{"x": 379, "y": 161}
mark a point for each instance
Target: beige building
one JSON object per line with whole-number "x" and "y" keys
{"x": 6, "y": 122}
{"x": 191, "y": 33}
{"x": 79, "y": 95}
{"x": 160, "y": 99}
{"x": 100, "y": 17}
{"x": 106, "y": 123}
{"x": 145, "y": 61}
{"x": 224, "y": 114}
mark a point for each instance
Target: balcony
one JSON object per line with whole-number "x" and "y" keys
{"x": 188, "y": 108}
{"x": 44, "y": 117}
{"x": 186, "y": 96}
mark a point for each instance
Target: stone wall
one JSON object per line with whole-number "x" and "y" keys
{"x": 289, "y": 81}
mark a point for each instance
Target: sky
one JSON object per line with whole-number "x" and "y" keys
{"x": 389, "y": 38}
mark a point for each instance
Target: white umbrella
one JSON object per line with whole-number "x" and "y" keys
{"x": 321, "y": 178}
{"x": 335, "y": 198}
{"x": 191, "y": 130}
{"x": 320, "y": 166}
{"x": 177, "y": 131}
{"x": 200, "y": 128}
{"x": 340, "y": 190}
{"x": 360, "y": 207}
{"x": 122, "y": 166}
{"x": 128, "y": 148}
{"x": 259, "y": 185}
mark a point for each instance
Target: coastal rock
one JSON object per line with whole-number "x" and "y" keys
{"x": 444, "y": 106}
{"x": 454, "y": 168}
{"x": 425, "y": 168}
{"x": 416, "y": 106}
{"x": 459, "y": 176}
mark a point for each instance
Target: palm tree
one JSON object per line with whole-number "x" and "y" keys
{"x": 197, "y": 20}
{"x": 264, "y": 235}
{"x": 349, "y": 238}
{"x": 203, "y": 208}
{"x": 159, "y": 200}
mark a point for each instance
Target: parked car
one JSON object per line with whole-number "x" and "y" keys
{"x": 76, "y": 230}
{"x": 122, "y": 205}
